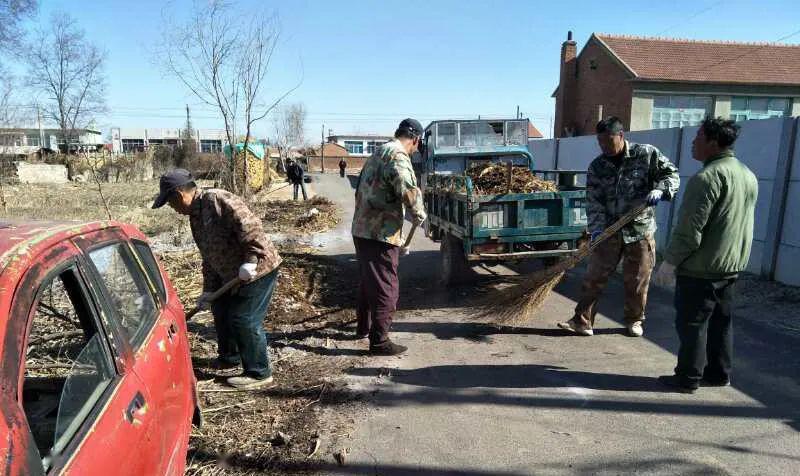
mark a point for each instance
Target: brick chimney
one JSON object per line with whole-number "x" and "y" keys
{"x": 565, "y": 98}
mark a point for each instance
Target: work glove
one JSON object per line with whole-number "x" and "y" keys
{"x": 247, "y": 271}
{"x": 654, "y": 197}
{"x": 418, "y": 220}
{"x": 665, "y": 276}
{"x": 203, "y": 301}
{"x": 594, "y": 235}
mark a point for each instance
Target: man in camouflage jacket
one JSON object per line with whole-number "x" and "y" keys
{"x": 623, "y": 177}
{"x": 387, "y": 189}
{"x": 232, "y": 245}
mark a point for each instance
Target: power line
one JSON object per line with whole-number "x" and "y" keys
{"x": 690, "y": 18}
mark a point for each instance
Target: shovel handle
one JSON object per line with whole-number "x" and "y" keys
{"x": 219, "y": 292}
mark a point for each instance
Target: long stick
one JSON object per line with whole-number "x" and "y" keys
{"x": 404, "y": 250}
{"x": 219, "y": 292}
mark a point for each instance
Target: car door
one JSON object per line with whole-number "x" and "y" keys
{"x": 150, "y": 334}
{"x": 97, "y": 418}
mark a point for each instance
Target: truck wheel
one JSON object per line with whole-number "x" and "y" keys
{"x": 455, "y": 268}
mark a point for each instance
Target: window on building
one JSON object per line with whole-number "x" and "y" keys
{"x": 132, "y": 145}
{"x": 33, "y": 140}
{"x": 210, "y": 146}
{"x": 744, "y": 108}
{"x": 374, "y": 144}
{"x": 354, "y": 146}
{"x": 679, "y": 110}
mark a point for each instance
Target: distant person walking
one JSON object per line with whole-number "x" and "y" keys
{"x": 295, "y": 174}
{"x": 709, "y": 247}
{"x": 342, "y": 168}
{"x": 386, "y": 191}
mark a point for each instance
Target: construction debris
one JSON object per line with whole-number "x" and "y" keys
{"x": 492, "y": 178}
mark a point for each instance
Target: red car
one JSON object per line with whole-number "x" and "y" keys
{"x": 96, "y": 376}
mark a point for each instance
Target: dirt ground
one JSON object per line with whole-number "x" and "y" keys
{"x": 268, "y": 431}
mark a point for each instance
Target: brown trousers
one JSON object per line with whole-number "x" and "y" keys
{"x": 638, "y": 260}
{"x": 379, "y": 288}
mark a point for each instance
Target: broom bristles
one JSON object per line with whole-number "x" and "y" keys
{"x": 519, "y": 303}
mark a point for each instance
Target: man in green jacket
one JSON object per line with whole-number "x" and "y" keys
{"x": 710, "y": 246}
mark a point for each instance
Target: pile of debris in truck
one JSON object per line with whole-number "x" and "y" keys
{"x": 491, "y": 178}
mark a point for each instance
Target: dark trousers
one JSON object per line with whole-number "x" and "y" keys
{"x": 341, "y": 172}
{"x": 703, "y": 322}
{"x": 239, "y": 320}
{"x": 379, "y": 288}
{"x": 300, "y": 186}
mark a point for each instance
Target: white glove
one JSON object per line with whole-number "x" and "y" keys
{"x": 203, "y": 302}
{"x": 654, "y": 197}
{"x": 247, "y": 271}
{"x": 665, "y": 275}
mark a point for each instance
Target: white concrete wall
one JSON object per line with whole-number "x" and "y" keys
{"x": 543, "y": 152}
{"x": 787, "y": 269}
{"x": 41, "y": 173}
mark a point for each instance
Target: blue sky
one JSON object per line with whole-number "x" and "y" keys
{"x": 367, "y": 64}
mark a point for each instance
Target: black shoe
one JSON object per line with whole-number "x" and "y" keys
{"x": 715, "y": 383}
{"x": 387, "y": 348}
{"x": 674, "y": 382}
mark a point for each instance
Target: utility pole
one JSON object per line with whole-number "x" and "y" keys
{"x": 41, "y": 131}
{"x": 517, "y": 111}
{"x": 322, "y": 149}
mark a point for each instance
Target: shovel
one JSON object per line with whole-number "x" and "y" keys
{"x": 219, "y": 292}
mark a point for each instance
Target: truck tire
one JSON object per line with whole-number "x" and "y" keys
{"x": 454, "y": 266}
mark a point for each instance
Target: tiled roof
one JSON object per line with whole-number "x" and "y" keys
{"x": 533, "y": 132}
{"x": 664, "y": 59}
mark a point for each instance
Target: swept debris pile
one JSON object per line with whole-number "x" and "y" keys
{"x": 286, "y": 216}
{"x": 492, "y": 179}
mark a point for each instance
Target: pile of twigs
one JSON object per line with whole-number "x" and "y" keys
{"x": 492, "y": 178}
{"x": 518, "y": 304}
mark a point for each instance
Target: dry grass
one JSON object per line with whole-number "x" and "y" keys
{"x": 492, "y": 179}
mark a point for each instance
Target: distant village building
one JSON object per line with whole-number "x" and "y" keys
{"x": 28, "y": 141}
{"x": 655, "y": 83}
{"x": 359, "y": 145}
{"x": 130, "y": 139}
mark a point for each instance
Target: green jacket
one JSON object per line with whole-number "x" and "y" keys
{"x": 714, "y": 234}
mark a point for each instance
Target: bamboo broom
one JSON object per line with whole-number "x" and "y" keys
{"x": 518, "y": 304}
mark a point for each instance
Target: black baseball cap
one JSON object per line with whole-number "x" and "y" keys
{"x": 169, "y": 182}
{"x": 411, "y": 125}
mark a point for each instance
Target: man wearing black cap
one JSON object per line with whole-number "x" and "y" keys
{"x": 387, "y": 188}
{"x": 233, "y": 245}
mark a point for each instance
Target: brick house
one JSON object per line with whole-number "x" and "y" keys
{"x": 654, "y": 83}
{"x": 333, "y": 154}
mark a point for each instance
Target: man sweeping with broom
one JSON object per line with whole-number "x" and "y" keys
{"x": 624, "y": 176}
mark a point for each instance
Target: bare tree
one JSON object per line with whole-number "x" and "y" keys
{"x": 222, "y": 55}
{"x": 68, "y": 71}
{"x": 290, "y": 124}
{"x": 12, "y": 14}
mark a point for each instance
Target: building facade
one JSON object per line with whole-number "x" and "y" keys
{"x": 23, "y": 141}
{"x": 125, "y": 140}
{"x": 359, "y": 145}
{"x": 655, "y": 83}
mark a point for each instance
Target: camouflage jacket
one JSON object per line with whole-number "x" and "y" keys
{"x": 228, "y": 234}
{"x": 387, "y": 187}
{"x": 611, "y": 190}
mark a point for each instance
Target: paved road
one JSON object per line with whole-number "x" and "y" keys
{"x": 470, "y": 399}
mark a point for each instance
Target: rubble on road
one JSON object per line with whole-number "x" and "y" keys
{"x": 286, "y": 216}
{"x": 491, "y": 178}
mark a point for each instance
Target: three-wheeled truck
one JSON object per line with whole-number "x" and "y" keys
{"x": 488, "y": 229}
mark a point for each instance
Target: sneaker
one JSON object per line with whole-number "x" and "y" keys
{"x": 635, "y": 329}
{"x": 225, "y": 369}
{"x": 675, "y": 383}
{"x": 247, "y": 382}
{"x": 576, "y": 328}
{"x": 715, "y": 383}
{"x": 387, "y": 348}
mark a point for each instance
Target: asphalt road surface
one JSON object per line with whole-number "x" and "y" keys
{"x": 471, "y": 399}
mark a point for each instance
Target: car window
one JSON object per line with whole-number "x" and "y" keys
{"x": 68, "y": 365}
{"x": 151, "y": 267}
{"x": 90, "y": 374}
{"x": 127, "y": 290}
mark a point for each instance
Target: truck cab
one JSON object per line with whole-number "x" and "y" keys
{"x": 475, "y": 228}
